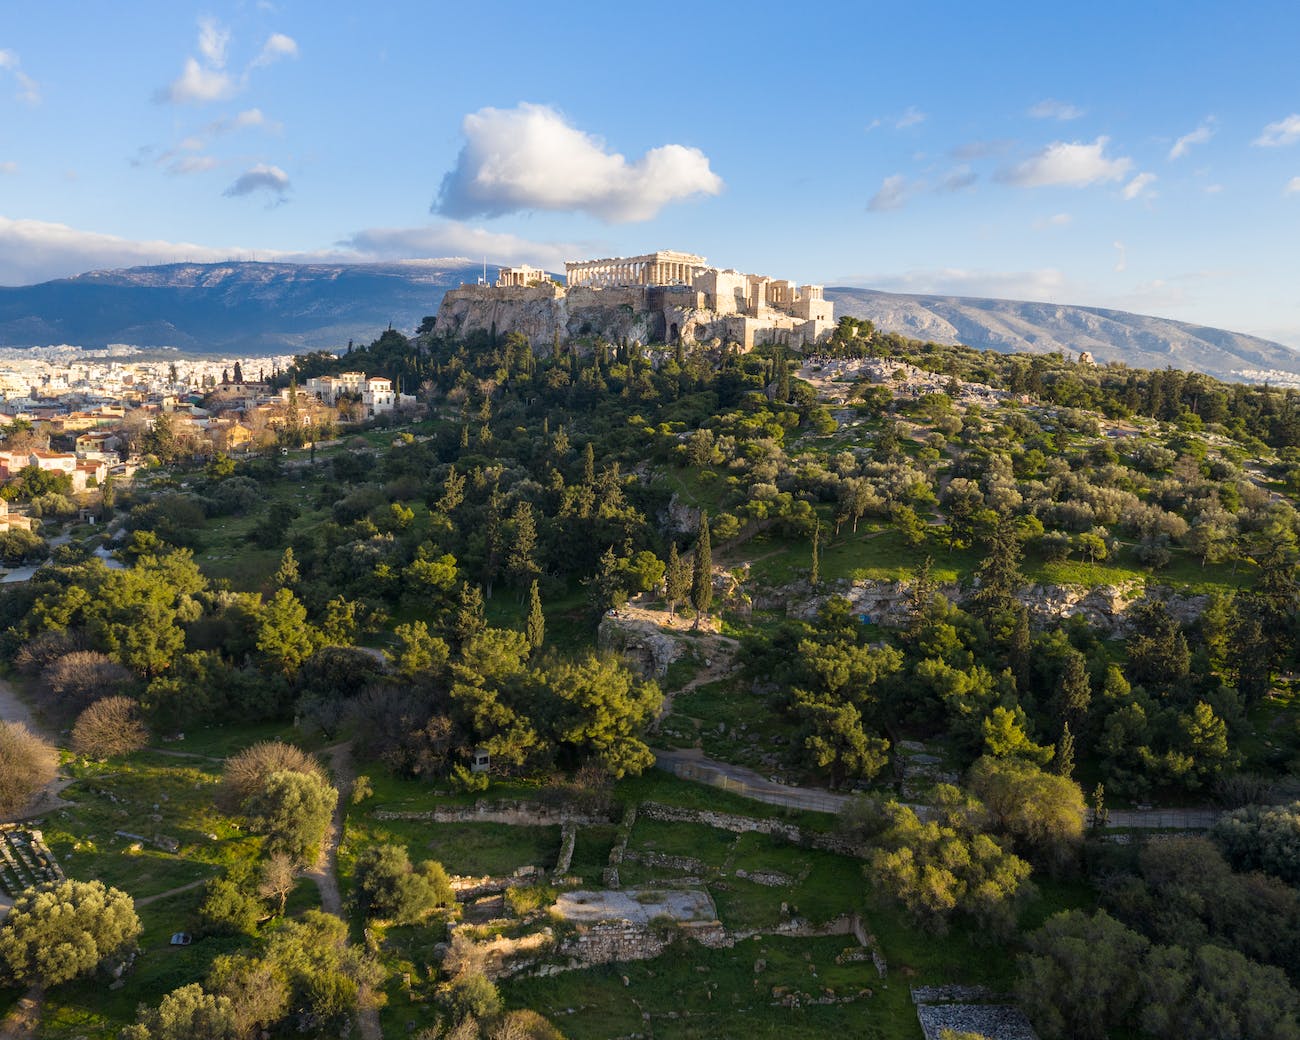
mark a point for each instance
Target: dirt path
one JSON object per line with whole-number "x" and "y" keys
{"x": 146, "y": 900}
{"x": 325, "y": 873}
{"x": 720, "y": 652}
{"x": 25, "y": 1017}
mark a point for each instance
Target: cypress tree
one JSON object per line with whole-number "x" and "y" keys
{"x": 535, "y": 626}
{"x": 1075, "y": 691}
{"x": 588, "y": 465}
{"x": 674, "y": 580}
{"x": 1064, "y": 763}
{"x": 702, "y": 576}
{"x": 815, "y": 575}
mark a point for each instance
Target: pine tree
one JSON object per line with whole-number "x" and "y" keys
{"x": 815, "y": 574}
{"x": 521, "y": 561}
{"x": 1075, "y": 694}
{"x": 470, "y": 618}
{"x": 535, "y": 626}
{"x": 999, "y": 574}
{"x": 675, "y": 588}
{"x": 1064, "y": 760}
{"x": 287, "y": 576}
{"x": 702, "y": 575}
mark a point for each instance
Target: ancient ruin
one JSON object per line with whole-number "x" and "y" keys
{"x": 661, "y": 297}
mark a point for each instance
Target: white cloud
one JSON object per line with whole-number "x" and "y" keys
{"x": 192, "y": 164}
{"x": 261, "y": 177}
{"x": 1284, "y": 131}
{"x": 277, "y": 46}
{"x": 1138, "y": 186}
{"x": 29, "y": 90}
{"x": 1044, "y": 285}
{"x": 894, "y": 191}
{"x": 8, "y": 167}
{"x": 1121, "y": 260}
{"x": 1056, "y": 220}
{"x": 1292, "y": 187}
{"x": 34, "y": 251}
{"x": 1073, "y": 165}
{"x": 213, "y": 41}
{"x": 207, "y": 79}
{"x": 911, "y": 117}
{"x": 198, "y": 84}
{"x": 1212, "y": 189}
{"x": 453, "y": 239}
{"x": 529, "y": 158}
{"x": 1050, "y": 108}
{"x": 1198, "y": 136}
{"x": 958, "y": 179}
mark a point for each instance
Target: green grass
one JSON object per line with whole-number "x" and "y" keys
{"x": 462, "y": 848}
{"x": 591, "y": 852}
{"x": 707, "y": 844}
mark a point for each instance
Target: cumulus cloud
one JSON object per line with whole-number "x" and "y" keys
{"x": 35, "y": 250}
{"x": 261, "y": 177}
{"x": 1198, "y": 136}
{"x": 453, "y": 239}
{"x": 1045, "y": 284}
{"x": 198, "y": 84}
{"x": 1050, "y": 108}
{"x": 277, "y": 46}
{"x": 1073, "y": 165}
{"x": 206, "y": 78}
{"x": 29, "y": 90}
{"x": 1283, "y": 132}
{"x": 958, "y": 179}
{"x": 1292, "y": 187}
{"x": 530, "y": 158}
{"x": 1138, "y": 186}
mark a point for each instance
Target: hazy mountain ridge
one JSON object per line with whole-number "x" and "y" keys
{"x": 1138, "y": 340}
{"x": 254, "y": 306}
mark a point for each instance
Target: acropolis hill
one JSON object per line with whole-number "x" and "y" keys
{"x": 661, "y": 297}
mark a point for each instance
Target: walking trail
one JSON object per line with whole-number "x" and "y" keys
{"x": 325, "y": 873}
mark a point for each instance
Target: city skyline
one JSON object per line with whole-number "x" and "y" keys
{"x": 1147, "y": 160}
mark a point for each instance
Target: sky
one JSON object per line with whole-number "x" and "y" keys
{"x": 1140, "y": 156}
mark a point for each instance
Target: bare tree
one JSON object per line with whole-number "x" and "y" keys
{"x": 82, "y": 677}
{"x": 278, "y": 879}
{"x": 111, "y": 726}
{"x": 245, "y": 773}
{"x": 27, "y": 763}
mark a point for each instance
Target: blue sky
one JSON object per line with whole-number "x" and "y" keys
{"x": 1142, "y": 156}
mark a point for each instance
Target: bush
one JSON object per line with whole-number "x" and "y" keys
{"x": 27, "y": 763}
{"x": 1262, "y": 838}
{"x": 245, "y": 773}
{"x": 111, "y": 726}
{"x": 82, "y": 677}
{"x": 228, "y": 910}
{"x": 388, "y": 886}
{"x": 293, "y": 810}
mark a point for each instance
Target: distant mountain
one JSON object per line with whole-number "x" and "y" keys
{"x": 1043, "y": 328}
{"x": 244, "y": 307}
{"x": 280, "y": 307}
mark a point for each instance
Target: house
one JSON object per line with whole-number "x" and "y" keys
{"x": 378, "y": 396}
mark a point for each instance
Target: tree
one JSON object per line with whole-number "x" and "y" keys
{"x": 245, "y": 773}
{"x": 1075, "y": 693}
{"x": 229, "y": 910}
{"x": 186, "y": 1013}
{"x": 535, "y": 625}
{"x": 256, "y": 988}
{"x": 109, "y": 727}
{"x": 1039, "y": 811}
{"x": 815, "y": 571}
{"x": 675, "y": 580}
{"x": 601, "y": 709}
{"x": 293, "y": 810}
{"x": 1079, "y": 977}
{"x": 702, "y": 573}
{"x": 239, "y": 372}
{"x": 1063, "y": 760}
{"x": 283, "y": 635}
{"x": 1259, "y": 837}
{"x": 521, "y": 560}
{"x": 78, "y": 679}
{"x": 278, "y": 877}
{"x": 835, "y": 736}
{"x": 1216, "y": 993}
{"x": 999, "y": 575}
{"x": 61, "y": 929}
{"x": 418, "y": 652}
{"x": 1005, "y": 737}
{"x": 27, "y": 764}
{"x": 388, "y": 886}
{"x": 287, "y": 576}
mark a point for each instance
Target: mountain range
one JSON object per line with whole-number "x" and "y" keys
{"x": 248, "y": 307}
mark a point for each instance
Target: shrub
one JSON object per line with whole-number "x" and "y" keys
{"x": 245, "y": 773}
{"x": 61, "y": 929}
{"x": 27, "y": 763}
{"x": 82, "y": 677}
{"x": 111, "y": 726}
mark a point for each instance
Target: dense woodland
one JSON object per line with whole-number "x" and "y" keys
{"x": 445, "y": 595}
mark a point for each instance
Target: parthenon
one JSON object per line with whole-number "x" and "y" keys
{"x": 663, "y": 267}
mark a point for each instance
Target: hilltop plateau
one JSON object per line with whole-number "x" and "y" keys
{"x": 249, "y": 306}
